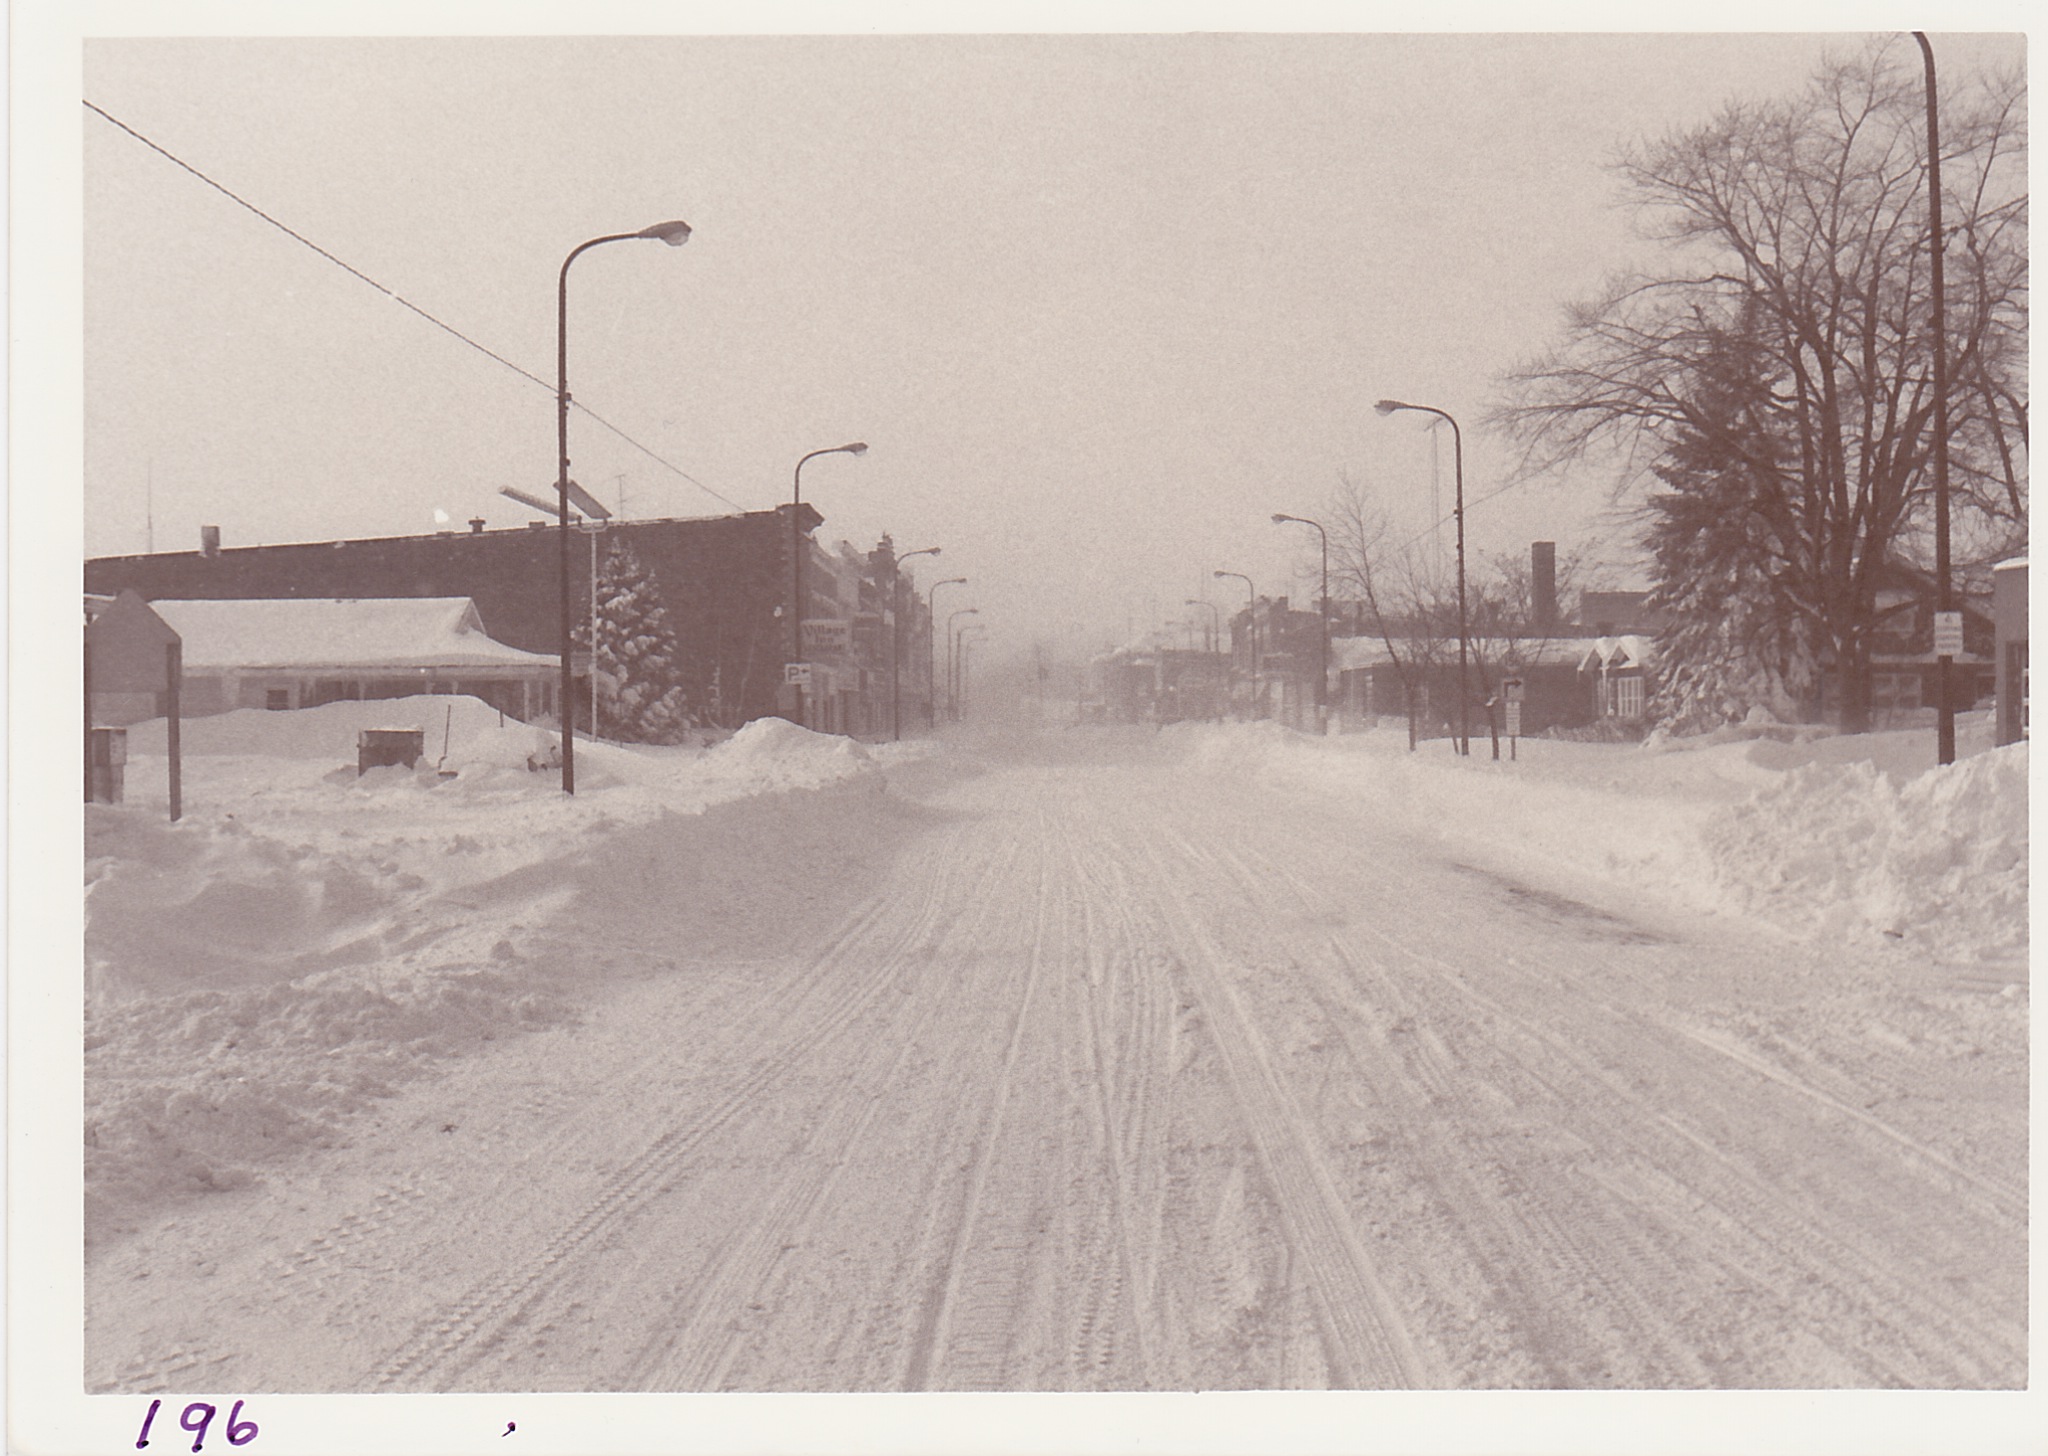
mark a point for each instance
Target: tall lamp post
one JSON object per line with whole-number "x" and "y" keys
{"x": 1387, "y": 407}
{"x": 1251, "y": 612}
{"x": 675, "y": 234}
{"x": 1323, "y": 658}
{"x": 931, "y": 647}
{"x": 796, "y": 562}
{"x": 953, "y": 661}
{"x": 1945, "y": 727}
{"x": 896, "y": 643}
{"x": 966, "y": 641}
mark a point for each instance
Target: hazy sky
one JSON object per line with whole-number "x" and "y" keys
{"x": 1099, "y": 304}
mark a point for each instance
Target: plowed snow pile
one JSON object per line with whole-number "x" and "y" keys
{"x": 304, "y": 939}
{"x": 1829, "y": 836}
{"x": 1848, "y": 848}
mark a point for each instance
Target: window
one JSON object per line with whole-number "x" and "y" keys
{"x": 1895, "y": 690}
{"x": 277, "y": 700}
{"x": 1628, "y": 697}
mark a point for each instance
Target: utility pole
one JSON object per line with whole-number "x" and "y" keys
{"x": 1945, "y": 731}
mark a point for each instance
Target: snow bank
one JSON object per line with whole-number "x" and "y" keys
{"x": 1574, "y": 804}
{"x": 772, "y": 754}
{"x": 305, "y": 939}
{"x": 1840, "y": 835}
{"x": 1939, "y": 858}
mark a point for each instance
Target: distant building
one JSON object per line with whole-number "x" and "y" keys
{"x": 1622, "y": 671}
{"x": 1574, "y": 669}
{"x": 1613, "y": 613}
{"x": 1274, "y": 657}
{"x": 1905, "y": 675}
{"x": 303, "y": 653}
{"x": 1151, "y": 681}
{"x": 723, "y": 581}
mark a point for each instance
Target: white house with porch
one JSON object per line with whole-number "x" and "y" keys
{"x": 294, "y": 653}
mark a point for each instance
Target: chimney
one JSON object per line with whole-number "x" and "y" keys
{"x": 1543, "y": 582}
{"x": 476, "y": 525}
{"x": 209, "y": 540}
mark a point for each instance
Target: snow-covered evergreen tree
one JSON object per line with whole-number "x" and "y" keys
{"x": 638, "y": 697}
{"x": 1724, "y": 571}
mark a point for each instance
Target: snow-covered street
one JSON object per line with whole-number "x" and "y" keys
{"x": 1071, "y": 1060}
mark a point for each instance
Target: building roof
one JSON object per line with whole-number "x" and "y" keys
{"x": 408, "y": 632}
{"x": 1348, "y": 653}
{"x": 1631, "y": 649}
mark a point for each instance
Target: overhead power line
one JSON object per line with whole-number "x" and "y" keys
{"x": 407, "y": 303}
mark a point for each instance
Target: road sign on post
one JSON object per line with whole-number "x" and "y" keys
{"x": 796, "y": 674}
{"x": 1512, "y": 688}
{"x": 1948, "y": 634}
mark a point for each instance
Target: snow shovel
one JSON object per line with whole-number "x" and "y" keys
{"x": 441, "y": 769}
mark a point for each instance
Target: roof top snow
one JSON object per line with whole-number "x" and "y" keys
{"x": 323, "y": 632}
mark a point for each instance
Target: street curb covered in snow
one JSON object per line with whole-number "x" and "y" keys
{"x": 1803, "y": 835}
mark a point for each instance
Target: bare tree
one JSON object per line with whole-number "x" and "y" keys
{"x": 1391, "y": 582}
{"x": 1789, "y": 352}
{"x": 1410, "y": 604}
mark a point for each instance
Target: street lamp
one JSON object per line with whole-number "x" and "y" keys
{"x": 796, "y": 561}
{"x": 1323, "y": 674}
{"x": 675, "y": 234}
{"x": 1387, "y": 407}
{"x": 931, "y": 646}
{"x": 953, "y": 661}
{"x": 1251, "y": 612}
{"x": 966, "y": 641}
{"x": 896, "y": 643}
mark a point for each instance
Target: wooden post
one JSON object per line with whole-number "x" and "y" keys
{"x": 88, "y": 717}
{"x": 174, "y": 668}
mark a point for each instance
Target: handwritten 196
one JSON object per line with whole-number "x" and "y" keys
{"x": 195, "y": 1418}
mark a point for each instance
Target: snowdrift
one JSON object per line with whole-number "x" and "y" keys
{"x": 305, "y": 940}
{"x": 1847, "y": 848}
{"x": 1823, "y": 836}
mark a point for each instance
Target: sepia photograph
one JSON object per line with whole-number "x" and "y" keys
{"x": 1147, "y": 709}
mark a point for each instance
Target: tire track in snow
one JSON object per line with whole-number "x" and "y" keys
{"x": 970, "y": 1323}
{"x": 686, "y": 1356}
{"x": 1510, "y": 1228}
{"x": 1759, "y": 1226}
{"x": 1034, "y": 1255}
{"x": 1773, "y": 1228}
{"x": 1122, "y": 1016}
{"x": 832, "y": 994}
{"x": 2004, "y": 1198}
{"x": 1367, "y": 1343}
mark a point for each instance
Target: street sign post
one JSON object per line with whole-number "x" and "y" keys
{"x": 796, "y": 674}
{"x": 1948, "y": 634}
{"x": 1513, "y": 689}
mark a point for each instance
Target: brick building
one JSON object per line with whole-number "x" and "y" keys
{"x": 724, "y": 582}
